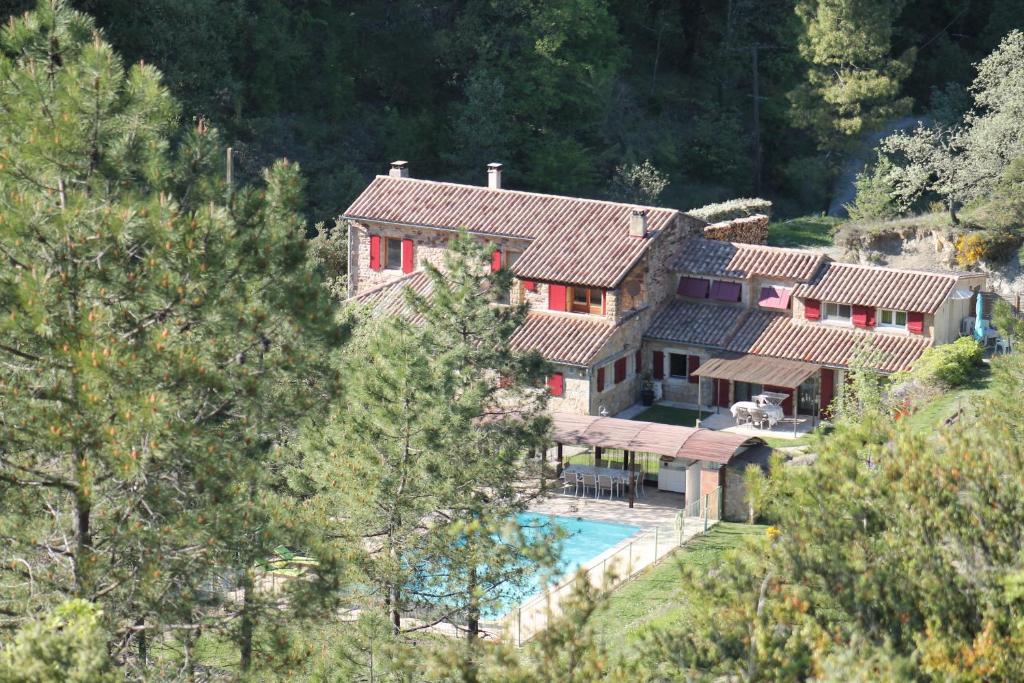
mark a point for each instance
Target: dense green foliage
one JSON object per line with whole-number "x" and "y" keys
{"x": 975, "y": 160}
{"x": 950, "y": 365}
{"x": 563, "y": 92}
{"x": 161, "y": 335}
{"x": 895, "y": 556}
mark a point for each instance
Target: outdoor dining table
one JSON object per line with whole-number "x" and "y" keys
{"x": 772, "y": 410}
{"x": 772, "y": 398}
{"x": 613, "y": 472}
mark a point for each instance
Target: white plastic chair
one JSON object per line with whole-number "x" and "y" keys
{"x": 588, "y": 481}
{"x": 605, "y": 483}
{"x": 639, "y": 483}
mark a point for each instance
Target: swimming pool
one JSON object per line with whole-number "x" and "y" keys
{"x": 585, "y": 540}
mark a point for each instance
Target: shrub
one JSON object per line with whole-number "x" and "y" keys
{"x": 949, "y": 365}
{"x": 734, "y": 208}
{"x": 994, "y": 245}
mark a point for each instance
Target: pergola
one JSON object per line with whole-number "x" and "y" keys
{"x": 776, "y": 372}
{"x": 633, "y": 436}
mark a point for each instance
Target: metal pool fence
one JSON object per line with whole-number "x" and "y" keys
{"x": 616, "y": 566}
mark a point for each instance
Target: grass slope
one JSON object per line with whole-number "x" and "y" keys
{"x": 806, "y": 231}
{"x": 655, "y": 599}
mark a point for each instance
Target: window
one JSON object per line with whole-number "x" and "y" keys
{"x": 620, "y": 369}
{"x": 893, "y": 319}
{"x": 556, "y": 384}
{"x": 497, "y": 262}
{"x": 837, "y": 312}
{"x": 677, "y": 365}
{"x": 586, "y": 300}
{"x": 392, "y": 254}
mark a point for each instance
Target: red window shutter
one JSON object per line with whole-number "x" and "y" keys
{"x": 620, "y": 369}
{"x": 722, "y": 393}
{"x": 496, "y": 260}
{"x": 812, "y": 309}
{"x": 600, "y": 379}
{"x": 406, "y": 256}
{"x": 915, "y": 322}
{"x": 604, "y": 302}
{"x": 863, "y": 316}
{"x": 556, "y": 297}
{"x": 692, "y": 363}
{"x": 556, "y": 383}
{"x": 529, "y": 285}
{"x": 639, "y": 362}
{"x": 659, "y": 364}
{"x": 828, "y": 389}
{"x": 374, "y": 252}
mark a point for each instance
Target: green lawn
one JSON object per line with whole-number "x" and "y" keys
{"x": 927, "y": 418}
{"x": 806, "y": 231}
{"x": 669, "y": 416}
{"x": 655, "y": 598}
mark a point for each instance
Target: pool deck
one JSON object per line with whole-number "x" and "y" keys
{"x": 655, "y": 508}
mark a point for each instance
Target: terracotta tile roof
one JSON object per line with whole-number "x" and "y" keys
{"x": 904, "y": 290}
{"x": 732, "y": 259}
{"x": 649, "y": 437}
{"x": 563, "y": 338}
{"x": 693, "y": 323}
{"x": 389, "y": 299}
{"x": 575, "y": 241}
{"x": 780, "y": 336}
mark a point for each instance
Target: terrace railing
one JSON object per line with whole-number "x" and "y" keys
{"x": 615, "y": 567}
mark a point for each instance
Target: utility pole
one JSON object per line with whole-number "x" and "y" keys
{"x": 230, "y": 169}
{"x": 757, "y": 119}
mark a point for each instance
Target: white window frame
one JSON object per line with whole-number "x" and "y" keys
{"x": 836, "y": 318}
{"x": 893, "y": 325}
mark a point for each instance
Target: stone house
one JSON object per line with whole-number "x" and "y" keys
{"x": 616, "y": 289}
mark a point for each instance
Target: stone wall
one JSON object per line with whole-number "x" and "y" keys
{"x": 736, "y": 507}
{"x": 750, "y": 230}
{"x": 428, "y": 245}
{"x": 576, "y": 396}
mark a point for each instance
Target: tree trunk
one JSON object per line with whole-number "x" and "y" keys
{"x": 142, "y": 643}
{"x": 952, "y": 212}
{"x": 83, "y": 543}
{"x": 473, "y": 617}
{"x": 395, "y": 614}
{"x": 246, "y": 628}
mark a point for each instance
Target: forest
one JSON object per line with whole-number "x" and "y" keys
{"x": 212, "y": 469}
{"x": 724, "y": 98}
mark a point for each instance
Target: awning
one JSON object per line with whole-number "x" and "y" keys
{"x": 649, "y": 437}
{"x": 775, "y": 297}
{"x": 777, "y": 372}
{"x": 725, "y": 291}
{"x": 694, "y": 287}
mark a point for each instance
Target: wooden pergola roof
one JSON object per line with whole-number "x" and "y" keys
{"x": 777, "y": 372}
{"x": 649, "y": 437}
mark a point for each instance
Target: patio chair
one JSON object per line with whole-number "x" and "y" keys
{"x": 742, "y": 415}
{"x": 588, "y": 481}
{"x": 759, "y": 418}
{"x": 568, "y": 480}
{"x": 605, "y": 483}
{"x": 1003, "y": 345}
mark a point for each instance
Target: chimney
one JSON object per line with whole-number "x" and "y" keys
{"x": 638, "y": 223}
{"x": 494, "y": 176}
{"x": 399, "y": 169}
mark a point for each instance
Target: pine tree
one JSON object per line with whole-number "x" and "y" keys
{"x": 853, "y": 84}
{"x": 159, "y": 337}
{"x": 421, "y": 468}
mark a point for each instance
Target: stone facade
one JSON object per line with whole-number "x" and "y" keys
{"x": 736, "y": 506}
{"x": 429, "y": 245}
{"x": 575, "y": 397}
{"x": 750, "y": 230}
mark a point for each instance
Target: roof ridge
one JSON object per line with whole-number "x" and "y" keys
{"x": 572, "y": 316}
{"x": 386, "y": 285}
{"x": 532, "y": 194}
{"x": 955, "y": 274}
{"x": 765, "y": 247}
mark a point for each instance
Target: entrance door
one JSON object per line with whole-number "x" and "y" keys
{"x": 745, "y": 391}
{"x": 809, "y": 396}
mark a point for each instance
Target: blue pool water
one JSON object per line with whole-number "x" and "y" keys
{"x": 585, "y": 539}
